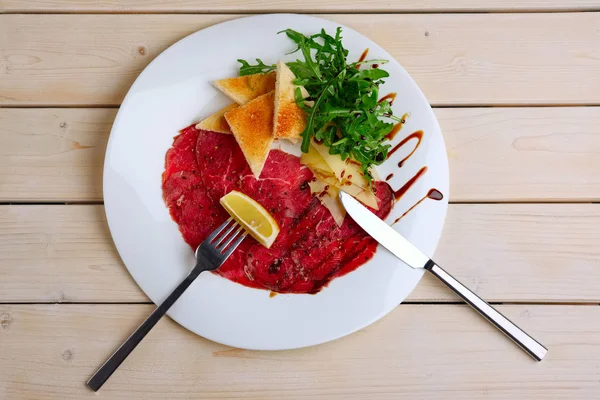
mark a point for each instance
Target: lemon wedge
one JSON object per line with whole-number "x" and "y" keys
{"x": 252, "y": 216}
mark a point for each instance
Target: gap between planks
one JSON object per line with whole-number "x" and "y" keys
{"x": 101, "y": 203}
{"x": 404, "y": 303}
{"x": 305, "y": 12}
{"x": 308, "y": 6}
{"x": 437, "y": 106}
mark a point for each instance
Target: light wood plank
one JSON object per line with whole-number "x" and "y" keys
{"x": 495, "y": 154}
{"x": 521, "y": 252}
{"x": 505, "y": 252}
{"x": 417, "y": 352}
{"x": 523, "y": 154}
{"x": 126, "y": 6}
{"x": 61, "y": 254}
{"x": 461, "y": 59}
{"x": 53, "y": 155}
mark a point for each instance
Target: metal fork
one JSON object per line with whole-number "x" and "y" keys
{"x": 210, "y": 255}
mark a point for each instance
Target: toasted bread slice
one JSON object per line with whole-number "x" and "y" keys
{"x": 289, "y": 119}
{"x": 252, "y": 127}
{"x": 243, "y": 89}
{"x": 217, "y": 121}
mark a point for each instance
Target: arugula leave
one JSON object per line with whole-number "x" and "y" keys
{"x": 346, "y": 115}
{"x": 259, "y": 68}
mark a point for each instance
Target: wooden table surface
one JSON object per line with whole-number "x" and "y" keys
{"x": 516, "y": 87}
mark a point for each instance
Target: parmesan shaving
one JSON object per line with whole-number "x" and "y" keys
{"x": 329, "y": 197}
{"x": 324, "y": 170}
{"x": 344, "y": 171}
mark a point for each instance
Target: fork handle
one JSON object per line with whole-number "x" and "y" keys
{"x": 110, "y": 366}
{"x": 516, "y": 334}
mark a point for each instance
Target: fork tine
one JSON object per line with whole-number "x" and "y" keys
{"x": 235, "y": 244}
{"x": 223, "y": 245}
{"x": 220, "y": 229}
{"x": 221, "y": 238}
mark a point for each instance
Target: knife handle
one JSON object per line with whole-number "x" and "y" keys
{"x": 522, "y": 339}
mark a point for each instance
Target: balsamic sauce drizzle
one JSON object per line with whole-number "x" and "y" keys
{"x": 433, "y": 193}
{"x": 362, "y": 57}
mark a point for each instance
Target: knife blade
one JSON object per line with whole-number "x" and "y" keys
{"x": 415, "y": 258}
{"x": 383, "y": 233}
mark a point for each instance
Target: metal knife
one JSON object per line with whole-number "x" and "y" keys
{"x": 415, "y": 258}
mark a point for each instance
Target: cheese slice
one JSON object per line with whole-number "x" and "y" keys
{"x": 346, "y": 171}
{"x": 243, "y": 89}
{"x": 217, "y": 121}
{"x": 252, "y": 127}
{"x": 289, "y": 119}
{"x": 315, "y": 162}
{"x": 329, "y": 197}
{"x": 321, "y": 169}
{"x": 364, "y": 196}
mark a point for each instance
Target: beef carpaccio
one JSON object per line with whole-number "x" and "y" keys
{"x": 310, "y": 250}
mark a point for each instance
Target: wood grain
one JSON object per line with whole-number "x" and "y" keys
{"x": 53, "y": 155}
{"x": 504, "y": 252}
{"x": 523, "y": 154}
{"x": 457, "y": 59}
{"x": 129, "y": 6}
{"x": 416, "y": 352}
{"x": 495, "y": 154}
{"x": 61, "y": 254}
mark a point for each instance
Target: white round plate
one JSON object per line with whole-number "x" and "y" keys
{"x": 174, "y": 91}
